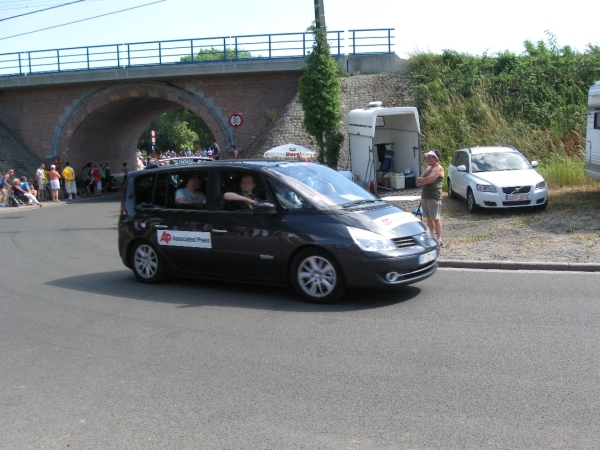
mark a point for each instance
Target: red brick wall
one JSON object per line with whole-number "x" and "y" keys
{"x": 103, "y": 122}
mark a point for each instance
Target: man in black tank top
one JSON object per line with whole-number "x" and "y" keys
{"x": 431, "y": 192}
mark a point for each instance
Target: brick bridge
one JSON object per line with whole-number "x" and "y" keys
{"x": 99, "y": 115}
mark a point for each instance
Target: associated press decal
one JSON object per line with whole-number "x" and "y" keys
{"x": 174, "y": 238}
{"x": 394, "y": 220}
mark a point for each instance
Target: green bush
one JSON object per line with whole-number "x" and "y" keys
{"x": 535, "y": 101}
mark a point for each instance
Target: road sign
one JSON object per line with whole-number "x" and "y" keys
{"x": 235, "y": 120}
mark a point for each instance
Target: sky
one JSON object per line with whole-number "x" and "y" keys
{"x": 466, "y": 26}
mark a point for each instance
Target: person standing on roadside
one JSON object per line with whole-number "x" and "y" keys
{"x": 68, "y": 175}
{"x": 54, "y": 178}
{"x": 5, "y": 185}
{"x": 236, "y": 153}
{"x": 107, "y": 173}
{"x": 125, "y": 172}
{"x": 431, "y": 193}
{"x": 97, "y": 181}
{"x": 40, "y": 177}
{"x": 216, "y": 150}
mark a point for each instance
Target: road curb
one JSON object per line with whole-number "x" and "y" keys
{"x": 517, "y": 265}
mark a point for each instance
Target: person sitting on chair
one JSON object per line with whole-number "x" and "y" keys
{"x": 21, "y": 193}
{"x": 190, "y": 194}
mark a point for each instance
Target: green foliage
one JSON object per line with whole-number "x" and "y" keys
{"x": 270, "y": 116}
{"x": 177, "y": 129}
{"x": 183, "y": 137}
{"x": 211, "y": 54}
{"x": 319, "y": 91}
{"x": 534, "y": 101}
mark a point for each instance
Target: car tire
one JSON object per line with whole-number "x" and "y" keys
{"x": 471, "y": 204}
{"x": 543, "y": 206}
{"x": 451, "y": 193}
{"x": 317, "y": 277}
{"x": 146, "y": 263}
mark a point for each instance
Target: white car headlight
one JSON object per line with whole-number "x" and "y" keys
{"x": 541, "y": 185}
{"x": 369, "y": 241}
{"x": 485, "y": 188}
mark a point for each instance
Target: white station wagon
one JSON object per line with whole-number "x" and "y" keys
{"x": 496, "y": 177}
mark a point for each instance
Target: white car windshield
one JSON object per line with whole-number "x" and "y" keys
{"x": 492, "y": 162}
{"x": 320, "y": 185}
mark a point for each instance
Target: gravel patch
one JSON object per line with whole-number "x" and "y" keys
{"x": 566, "y": 233}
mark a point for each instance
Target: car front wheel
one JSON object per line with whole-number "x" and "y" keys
{"x": 471, "y": 204}
{"x": 317, "y": 277}
{"x": 146, "y": 264}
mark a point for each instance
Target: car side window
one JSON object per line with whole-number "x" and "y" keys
{"x": 286, "y": 197}
{"x": 456, "y": 159}
{"x": 187, "y": 189}
{"x": 246, "y": 186}
{"x": 464, "y": 159}
{"x": 143, "y": 191}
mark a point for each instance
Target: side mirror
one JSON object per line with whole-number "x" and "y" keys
{"x": 534, "y": 164}
{"x": 462, "y": 168}
{"x": 264, "y": 208}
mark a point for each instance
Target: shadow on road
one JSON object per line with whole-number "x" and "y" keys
{"x": 189, "y": 293}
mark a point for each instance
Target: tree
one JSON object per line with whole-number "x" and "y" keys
{"x": 183, "y": 137}
{"x": 319, "y": 95}
{"x": 215, "y": 54}
{"x": 169, "y": 136}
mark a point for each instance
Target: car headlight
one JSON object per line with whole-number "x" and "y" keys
{"x": 541, "y": 185}
{"x": 485, "y": 188}
{"x": 369, "y": 241}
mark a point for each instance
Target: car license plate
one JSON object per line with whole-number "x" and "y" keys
{"x": 427, "y": 257}
{"x": 515, "y": 197}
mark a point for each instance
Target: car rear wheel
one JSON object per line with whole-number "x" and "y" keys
{"x": 146, "y": 264}
{"x": 471, "y": 204}
{"x": 451, "y": 193}
{"x": 317, "y": 277}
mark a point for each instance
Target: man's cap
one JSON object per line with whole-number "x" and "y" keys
{"x": 432, "y": 153}
{"x": 53, "y": 166}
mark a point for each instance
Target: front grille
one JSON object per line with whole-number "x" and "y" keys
{"x": 404, "y": 242}
{"x": 516, "y": 189}
{"x": 519, "y": 203}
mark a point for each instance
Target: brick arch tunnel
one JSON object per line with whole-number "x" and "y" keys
{"x": 106, "y": 125}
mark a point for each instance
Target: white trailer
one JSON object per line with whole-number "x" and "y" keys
{"x": 393, "y": 129}
{"x": 592, "y": 141}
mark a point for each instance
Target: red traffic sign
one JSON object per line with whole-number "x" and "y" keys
{"x": 235, "y": 120}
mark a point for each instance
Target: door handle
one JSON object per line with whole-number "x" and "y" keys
{"x": 161, "y": 227}
{"x": 219, "y": 231}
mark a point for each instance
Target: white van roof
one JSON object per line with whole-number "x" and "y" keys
{"x": 364, "y": 121}
{"x": 594, "y": 95}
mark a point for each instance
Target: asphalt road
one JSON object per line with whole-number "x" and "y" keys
{"x": 468, "y": 359}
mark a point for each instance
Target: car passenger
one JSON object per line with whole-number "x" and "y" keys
{"x": 190, "y": 194}
{"x": 246, "y": 198}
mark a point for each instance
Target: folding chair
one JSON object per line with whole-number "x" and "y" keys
{"x": 386, "y": 164}
{"x": 13, "y": 200}
{"x": 418, "y": 212}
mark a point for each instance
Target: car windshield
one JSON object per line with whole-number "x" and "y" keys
{"x": 492, "y": 162}
{"x": 323, "y": 187}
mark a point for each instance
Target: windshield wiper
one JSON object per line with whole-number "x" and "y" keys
{"x": 359, "y": 203}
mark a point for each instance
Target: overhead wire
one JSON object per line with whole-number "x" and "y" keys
{"x": 82, "y": 20}
{"x": 42, "y": 10}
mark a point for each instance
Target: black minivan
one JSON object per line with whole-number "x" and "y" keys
{"x": 269, "y": 222}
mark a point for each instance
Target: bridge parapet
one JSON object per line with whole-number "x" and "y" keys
{"x": 213, "y": 50}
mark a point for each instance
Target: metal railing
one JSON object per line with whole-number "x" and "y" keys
{"x": 192, "y": 51}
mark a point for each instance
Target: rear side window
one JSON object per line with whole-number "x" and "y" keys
{"x": 143, "y": 190}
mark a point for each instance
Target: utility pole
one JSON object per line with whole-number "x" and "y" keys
{"x": 320, "y": 14}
